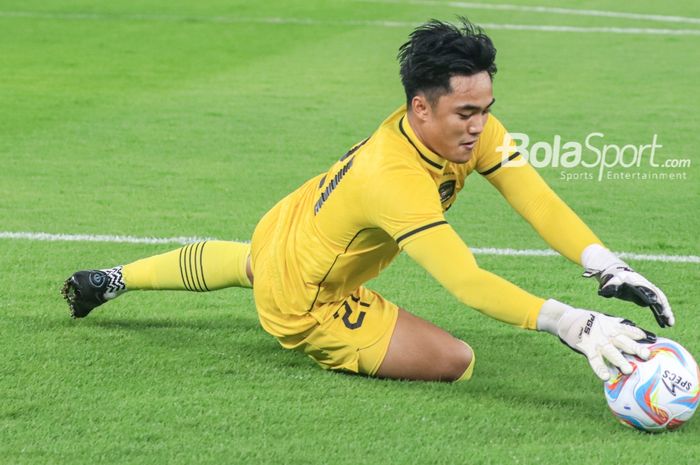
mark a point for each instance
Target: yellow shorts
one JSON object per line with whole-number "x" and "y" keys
{"x": 355, "y": 337}
{"x": 351, "y": 334}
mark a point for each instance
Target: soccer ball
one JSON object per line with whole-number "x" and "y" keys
{"x": 660, "y": 394}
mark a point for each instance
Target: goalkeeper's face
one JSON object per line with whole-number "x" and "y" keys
{"x": 451, "y": 126}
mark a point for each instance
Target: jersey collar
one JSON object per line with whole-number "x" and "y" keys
{"x": 431, "y": 160}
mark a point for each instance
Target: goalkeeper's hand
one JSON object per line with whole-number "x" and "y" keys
{"x": 617, "y": 279}
{"x": 600, "y": 338}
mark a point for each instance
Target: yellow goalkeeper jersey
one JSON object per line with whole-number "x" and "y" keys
{"x": 341, "y": 228}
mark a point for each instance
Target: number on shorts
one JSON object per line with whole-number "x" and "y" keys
{"x": 346, "y": 317}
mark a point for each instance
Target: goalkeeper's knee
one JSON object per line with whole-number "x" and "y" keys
{"x": 469, "y": 371}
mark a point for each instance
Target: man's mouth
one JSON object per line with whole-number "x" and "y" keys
{"x": 469, "y": 145}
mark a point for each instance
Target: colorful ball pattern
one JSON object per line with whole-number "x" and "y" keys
{"x": 660, "y": 394}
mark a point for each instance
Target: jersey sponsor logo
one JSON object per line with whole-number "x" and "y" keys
{"x": 447, "y": 190}
{"x": 332, "y": 185}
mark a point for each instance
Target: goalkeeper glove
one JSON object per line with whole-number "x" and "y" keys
{"x": 617, "y": 279}
{"x": 600, "y": 338}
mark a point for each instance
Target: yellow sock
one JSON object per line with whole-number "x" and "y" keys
{"x": 467, "y": 375}
{"x": 201, "y": 266}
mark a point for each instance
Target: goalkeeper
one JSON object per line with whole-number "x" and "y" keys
{"x": 312, "y": 253}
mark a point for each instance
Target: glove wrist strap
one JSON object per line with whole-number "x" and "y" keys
{"x": 595, "y": 259}
{"x": 550, "y": 314}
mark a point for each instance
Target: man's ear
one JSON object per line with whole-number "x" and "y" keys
{"x": 420, "y": 107}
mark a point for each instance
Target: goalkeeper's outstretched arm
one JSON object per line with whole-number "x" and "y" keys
{"x": 566, "y": 233}
{"x": 536, "y": 202}
{"x": 600, "y": 338}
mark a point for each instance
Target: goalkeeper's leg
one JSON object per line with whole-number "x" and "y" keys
{"x": 367, "y": 334}
{"x": 201, "y": 266}
{"x": 419, "y": 350}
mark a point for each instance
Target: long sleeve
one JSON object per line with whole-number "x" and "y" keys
{"x": 535, "y": 201}
{"x": 500, "y": 163}
{"x": 448, "y": 259}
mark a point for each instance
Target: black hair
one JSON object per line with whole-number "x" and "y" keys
{"x": 436, "y": 51}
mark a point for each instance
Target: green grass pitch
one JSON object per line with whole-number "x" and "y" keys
{"x": 155, "y": 118}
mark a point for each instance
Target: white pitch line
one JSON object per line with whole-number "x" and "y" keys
{"x": 592, "y": 30}
{"x": 41, "y": 236}
{"x": 552, "y": 253}
{"x": 179, "y": 240}
{"x": 349, "y": 22}
{"x": 545, "y": 10}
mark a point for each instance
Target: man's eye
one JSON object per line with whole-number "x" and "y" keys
{"x": 463, "y": 116}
